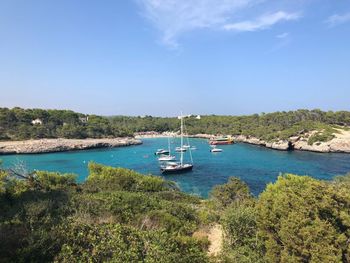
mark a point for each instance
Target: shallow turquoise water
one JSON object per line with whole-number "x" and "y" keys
{"x": 256, "y": 165}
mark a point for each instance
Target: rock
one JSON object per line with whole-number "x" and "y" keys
{"x": 60, "y": 145}
{"x": 281, "y": 145}
{"x": 294, "y": 139}
{"x": 303, "y": 145}
{"x": 341, "y": 143}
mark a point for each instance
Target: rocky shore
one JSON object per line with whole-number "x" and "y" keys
{"x": 339, "y": 144}
{"x": 61, "y": 145}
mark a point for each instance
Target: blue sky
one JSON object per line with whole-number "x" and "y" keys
{"x": 158, "y": 57}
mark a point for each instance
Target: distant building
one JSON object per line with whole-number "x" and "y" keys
{"x": 37, "y": 122}
{"x": 84, "y": 119}
{"x": 198, "y": 117}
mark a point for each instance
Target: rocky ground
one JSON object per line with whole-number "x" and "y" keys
{"x": 341, "y": 143}
{"x": 60, "y": 145}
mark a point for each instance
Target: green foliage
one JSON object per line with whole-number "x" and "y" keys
{"x": 54, "y": 181}
{"x": 100, "y": 243}
{"x": 118, "y": 215}
{"x": 343, "y": 180}
{"x": 301, "y": 219}
{"x": 234, "y": 191}
{"x": 3, "y": 180}
{"x": 16, "y": 124}
{"x": 240, "y": 227}
{"x": 239, "y": 222}
{"x": 324, "y": 135}
{"x": 108, "y": 178}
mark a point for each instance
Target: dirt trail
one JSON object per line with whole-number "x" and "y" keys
{"x": 215, "y": 237}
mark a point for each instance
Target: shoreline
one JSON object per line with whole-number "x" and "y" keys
{"x": 63, "y": 145}
{"x": 339, "y": 144}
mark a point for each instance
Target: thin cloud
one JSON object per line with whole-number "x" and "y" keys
{"x": 262, "y": 22}
{"x": 173, "y": 18}
{"x": 283, "y": 35}
{"x": 337, "y": 19}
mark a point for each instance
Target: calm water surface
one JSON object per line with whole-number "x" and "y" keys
{"x": 256, "y": 165}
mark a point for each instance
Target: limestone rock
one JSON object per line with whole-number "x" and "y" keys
{"x": 59, "y": 145}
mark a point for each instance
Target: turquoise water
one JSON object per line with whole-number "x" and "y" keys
{"x": 255, "y": 165}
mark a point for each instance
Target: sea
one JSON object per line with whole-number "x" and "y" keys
{"x": 255, "y": 165}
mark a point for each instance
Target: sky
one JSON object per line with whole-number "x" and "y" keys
{"x": 160, "y": 57}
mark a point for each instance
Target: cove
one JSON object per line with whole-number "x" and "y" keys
{"x": 255, "y": 165}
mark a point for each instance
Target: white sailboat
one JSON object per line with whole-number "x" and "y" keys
{"x": 180, "y": 149}
{"x": 178, "y": 167}
{"x": 168, "y": 157}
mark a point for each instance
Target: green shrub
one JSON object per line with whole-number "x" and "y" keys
{"x": 301, "y": 219}
{"x": 234, "y": 191}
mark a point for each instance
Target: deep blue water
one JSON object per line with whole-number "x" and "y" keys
{"x": 255, "y": 165}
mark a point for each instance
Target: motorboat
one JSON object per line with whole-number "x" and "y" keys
{"x": 215, "y": 150}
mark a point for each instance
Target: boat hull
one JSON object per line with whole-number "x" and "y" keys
{"x": 162, "y": 153}
{"x": 167, "y": 158}
{"x": 220, "y": 142}
{"x": 177, "y": 170}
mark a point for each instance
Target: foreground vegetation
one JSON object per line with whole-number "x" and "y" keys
{"x": 119, "y": 215}
{"x": 16, "y": 124}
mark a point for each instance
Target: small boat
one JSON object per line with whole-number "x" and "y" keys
{"x": 186, "y": 146}
{"x": 221, "y": 141}
{"x": 166, "y": 158}
{"x": 180, "y": 149}
{"x": 162, "y": 152}
{"x": 193, "y": 148}
{"x": 215, "y": 150}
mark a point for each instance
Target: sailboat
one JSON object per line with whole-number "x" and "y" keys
{"x": 168, "y": 156}
{"x": 161, "y": 152}
{"x": 178, "y": 167}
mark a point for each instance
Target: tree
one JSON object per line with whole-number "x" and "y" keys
{"x": 240, "y": 227}
{"x": 301, "y": 219}
{"x": 234, "y": 191}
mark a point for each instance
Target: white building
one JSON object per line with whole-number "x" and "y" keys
{"x": 37, "y": 122}
{"x": 84, "y": 119}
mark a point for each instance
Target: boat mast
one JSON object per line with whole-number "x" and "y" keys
{"x": 182, "y": 140}
{"x": 169, "y": 146}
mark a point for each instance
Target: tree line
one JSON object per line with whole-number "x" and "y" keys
{"x": 16, "y": 124}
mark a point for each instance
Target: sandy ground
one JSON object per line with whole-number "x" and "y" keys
{"x": 215, "y": 237}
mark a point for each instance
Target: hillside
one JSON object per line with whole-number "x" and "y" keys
{"x": 119, "y": 215}
{"x": 20, "y": 124}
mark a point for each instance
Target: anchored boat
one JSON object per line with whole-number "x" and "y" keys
{"x": 221, "y": 141}
{"x": 215, "y": 150}
{"x": 168, "y": 156}
{"x": 178, "y": 167}
{"x": 162, "y": 152}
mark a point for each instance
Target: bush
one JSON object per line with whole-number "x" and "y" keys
{"x": 234, "y": 191}
{"x": 301, "y": 219}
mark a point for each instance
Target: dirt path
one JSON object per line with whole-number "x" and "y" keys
{"x": 215, "y": 237}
